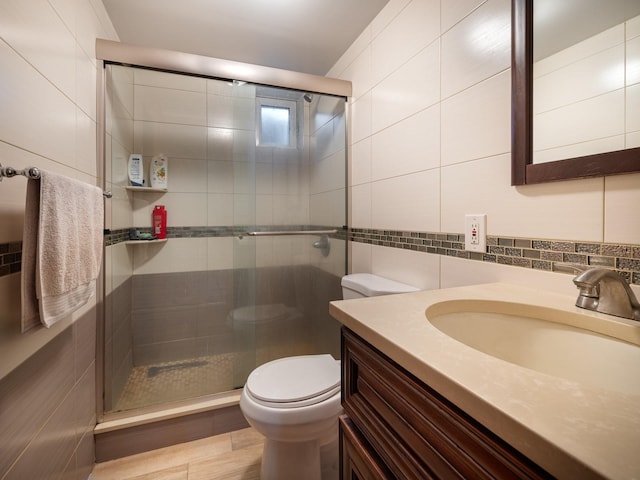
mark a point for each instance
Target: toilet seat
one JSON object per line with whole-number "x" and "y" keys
{"x": 293, "y": 382}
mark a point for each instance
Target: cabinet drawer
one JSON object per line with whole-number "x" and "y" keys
{"x": 358, "y": 461}
{"x": 416, "y": 432}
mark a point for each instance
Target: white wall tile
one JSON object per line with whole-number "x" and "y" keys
{"x": 183, "y": 209}
{"x": 38, "y": 34}
{"x": 453, "y": 12}
{"x": 561, "y": 210}
{"x": 411, "y": 88}
{"x": 458, "y": 272}
{"x": 187, "y": 175}
{"x": 326, "y": 208}
{"x": 388, "y": 14}
{"x": 184, "y": 141}
{"x": 359, "y": 257}
{"x": 361, "y": 162}
{"x": 476, "y": 123}
{"x": 408, "y": 146}
{"x": 622, "y": 209}
{"x": 220, "y": 253}
{"x": 413, "y": 268}
{"x": 153, "y": 78}
{"x": 477, "y": 48}
{"x": 35, "y": 115}
{"x": 361, "y": 118}
{"x": 415, "y": 27}
{"x": 169, "y": 105}
{"x": 360, "y": 73}
{"x": 409, "y": 202}
{"x": 175, "y": 255}
{"x": 219, "y": 209}
{"x": 632, "y": 109}
{"x": 360, "y": 206}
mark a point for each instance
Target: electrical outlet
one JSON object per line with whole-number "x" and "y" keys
{"x": 475, "y": 232}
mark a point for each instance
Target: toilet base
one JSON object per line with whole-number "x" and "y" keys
{"x": 312, "y": 462}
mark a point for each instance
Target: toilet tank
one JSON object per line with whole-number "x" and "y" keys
{"x": 359, "y": 285}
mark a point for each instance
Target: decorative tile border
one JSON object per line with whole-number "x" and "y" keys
{"x": 10, "y": 258}
{"x": 547, "y": 255}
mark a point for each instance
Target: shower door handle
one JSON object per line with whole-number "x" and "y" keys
{"x": 292, "y": 232}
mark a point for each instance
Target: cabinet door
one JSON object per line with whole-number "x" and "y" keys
{"x": 358, "y": 461}
{"x": 416, "y": 432}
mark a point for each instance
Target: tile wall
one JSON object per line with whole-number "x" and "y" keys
{"x": 49, "y": 120}
{"x": 430, "y": 142}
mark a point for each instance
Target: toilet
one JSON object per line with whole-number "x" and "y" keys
{"x": 295, "y": 402}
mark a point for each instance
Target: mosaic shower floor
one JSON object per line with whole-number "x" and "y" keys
{"x": 149, "y": 385}
{"x": 173, "y": 381}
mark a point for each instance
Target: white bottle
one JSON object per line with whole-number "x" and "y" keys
{"x": 136, "y": 175}
{"x": 159, "y": 171}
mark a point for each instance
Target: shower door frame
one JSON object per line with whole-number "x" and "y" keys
{"x": 111, "y": 52}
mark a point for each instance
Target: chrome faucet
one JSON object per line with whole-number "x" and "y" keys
{"x": 603, "y": 290}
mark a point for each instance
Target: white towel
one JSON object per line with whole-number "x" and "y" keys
{"x": 61, "y": 248}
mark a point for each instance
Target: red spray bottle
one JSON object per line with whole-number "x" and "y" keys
{"x": 159, "y": 221}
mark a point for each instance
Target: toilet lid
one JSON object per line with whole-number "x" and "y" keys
{"x": 295, "y": 379}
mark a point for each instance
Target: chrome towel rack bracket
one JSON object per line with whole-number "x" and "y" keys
{"x": 32, "y": 173}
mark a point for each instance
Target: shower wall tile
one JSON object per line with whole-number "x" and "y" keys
{"x": 471, "y": 53}
{"x": 219, "y": 209}
{"x": 328, "y": 173}
{"x": 325, "y": 208}
{"x": 182, "y": 141}
{"x": 154, "y": 78}
{"x": 183, "y": 209}
{"x": 187, "y": 175}
{"x": 231, "y": 112}
{"x": 176, "y": 255}
{"x": 169, "y": 105}
{"x": 360, "y": 73}
{"x": 361, "y": 123}
{"x": 220, "y": 176}
{"x": 220, "y": 144}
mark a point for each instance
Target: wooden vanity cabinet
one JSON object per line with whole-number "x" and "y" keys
{"x": 398, "y": 427}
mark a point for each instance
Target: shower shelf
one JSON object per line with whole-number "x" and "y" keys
{"x": 144, "y": 242}
{"x": 145, "y": 189}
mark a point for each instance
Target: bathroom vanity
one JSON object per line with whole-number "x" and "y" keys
{"x": 420, "y": 403}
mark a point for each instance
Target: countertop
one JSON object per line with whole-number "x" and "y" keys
{"x": 572, "y": 430}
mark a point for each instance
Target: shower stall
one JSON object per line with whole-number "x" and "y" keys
{"x": 256, "y": 230}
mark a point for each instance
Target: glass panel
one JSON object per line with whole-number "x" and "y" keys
{"x": 195, "y": 315}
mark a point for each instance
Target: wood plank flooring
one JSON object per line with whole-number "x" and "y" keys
{"x": 230, "y": 456}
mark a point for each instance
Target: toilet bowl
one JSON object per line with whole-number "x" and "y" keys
{"x": 295, "y": 402}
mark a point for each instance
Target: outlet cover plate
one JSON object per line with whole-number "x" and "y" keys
{"x": 475, "y": 232}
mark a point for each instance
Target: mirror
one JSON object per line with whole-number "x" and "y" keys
{"x": 555, "y": 117}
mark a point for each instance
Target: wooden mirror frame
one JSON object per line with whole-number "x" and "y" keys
{"x": 523, "y": 170}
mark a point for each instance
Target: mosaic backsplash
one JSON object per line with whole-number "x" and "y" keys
{"x": 550, "y": 255}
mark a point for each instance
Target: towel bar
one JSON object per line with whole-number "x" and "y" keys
{"x": 31, "y": 172}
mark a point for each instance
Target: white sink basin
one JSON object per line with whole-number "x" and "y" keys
{"x": 546, "y": 340}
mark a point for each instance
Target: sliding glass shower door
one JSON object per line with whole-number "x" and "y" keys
{"x": 239, "y": 280}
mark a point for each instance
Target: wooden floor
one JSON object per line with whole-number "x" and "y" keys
{"x": 230, "y": 456}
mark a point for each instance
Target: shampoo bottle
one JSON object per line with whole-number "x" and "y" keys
{"x": 159, "y": 168}
{"x": 136, "y": 176}
{"x": 159, "y": 222}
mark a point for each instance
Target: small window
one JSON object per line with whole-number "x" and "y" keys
{"x": 276, "y": 122}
